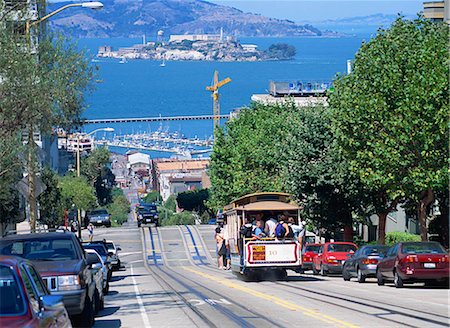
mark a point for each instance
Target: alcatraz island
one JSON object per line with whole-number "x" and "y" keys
{"x": 207, "y": 47}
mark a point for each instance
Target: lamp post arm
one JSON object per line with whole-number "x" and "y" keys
{"x": 33, "y": 23}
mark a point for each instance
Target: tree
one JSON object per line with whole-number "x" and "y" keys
{"x": 50, "y": 200}
{"x": 318, "y": 176}
{"x": 193, "y": 200}
{"x": 77, "y": 191}
{"x": 119, "y": 207}
{"x": 152, "y": 197}
{"x": 391, "y": 113}
{"x": 281, "y": 51}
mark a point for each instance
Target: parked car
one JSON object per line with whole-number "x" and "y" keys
{"x": 61, "y": 262}
{"x": 112, "y": 248}
{"x": 99, "y": 218}
{"x": 331, "y": 257}
{"x": 24, "y": 299}
{"x": 310, "y": 251}
{"x": 99, "y": 276}
{"x": 411, "y": 262}
{"x": 100, "y": 248}
{"x": 363, "y": 263}
{"x": 146, "y": 214}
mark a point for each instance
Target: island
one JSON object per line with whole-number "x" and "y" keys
{"x": 206, "y": 47}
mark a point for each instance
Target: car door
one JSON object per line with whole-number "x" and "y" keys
{"x": 350, "y": 263}
{"x": 56, "y": 317}
{"x": 389, "y": 262}
{"x": 318, "y": 259}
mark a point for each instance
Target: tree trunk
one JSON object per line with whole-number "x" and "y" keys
{"x": 382, "y": 227}
{"x": 425, "y": 201}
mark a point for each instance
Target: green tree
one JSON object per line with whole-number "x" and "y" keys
{"x": 391, "y": 115}
{"x": 77, "y": 191}
{"x": 152, "y": 197}
{"x": 119, "y": 207}
{"x": 281, "y": 51}
{"x": 194, "y": 200}
{"x": 50, "y": 200}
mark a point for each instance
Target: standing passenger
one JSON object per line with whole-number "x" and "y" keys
{"x": 271, "y": 224}
{"x": 220, "y": 246}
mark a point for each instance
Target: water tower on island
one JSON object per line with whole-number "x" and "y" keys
{"x": 160, "y": 37}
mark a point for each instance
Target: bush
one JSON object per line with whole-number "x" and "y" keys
{"x": 398, "y": 237}
{"x": 119, "y": 208}
{"x": 152, "y": 197}
{"x": 179, "y": 219}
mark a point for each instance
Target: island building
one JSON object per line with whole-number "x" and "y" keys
{"x": 178, "y": 38}
{"x": 437, "y": 10}
{"x": 172, "y": 176}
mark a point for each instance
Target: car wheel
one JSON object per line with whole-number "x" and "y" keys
{"x": 398, "y": 281}
{"x": 86, "y": 318}
{"x": 314, "y": 270}
{"x": 345, "y": 275}
{"x": 380, "y": 280}
{"x": 322, "y": 271}
{"x": 361, "y": 276}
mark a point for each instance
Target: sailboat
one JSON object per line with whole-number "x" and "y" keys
{"x": 123, "y": 60}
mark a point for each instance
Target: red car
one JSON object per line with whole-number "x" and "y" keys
{"x": 24, "y": 299}
{"x": 411, "y": 262}
{"x": 331, "y": 256}
{"x": 309, "y": 253}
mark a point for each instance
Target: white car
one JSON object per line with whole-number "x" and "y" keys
{"x": 103, "y": 268}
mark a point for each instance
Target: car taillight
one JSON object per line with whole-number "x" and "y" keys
{"x": 307, "y": 258}
{"x": 369, "y": 261}
{"x": 332, "y": 261}
{"x": 445, "y": 259}
{"x": 410, "y": 259}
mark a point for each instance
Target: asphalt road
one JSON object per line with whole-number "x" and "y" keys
{"x": 170, "y": 279}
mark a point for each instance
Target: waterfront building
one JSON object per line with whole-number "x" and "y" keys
{"x": 249, "y": 47}
{"x": 138, "y": 162}
{"x": 171, "y": 177}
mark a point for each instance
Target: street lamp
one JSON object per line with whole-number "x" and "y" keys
{"x": 78, "y": 168}
{"x": 96, "y": 5}
{"x": 31, "y": 172}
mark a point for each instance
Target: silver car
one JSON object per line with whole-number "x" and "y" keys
{"x": 363, "y": 263}
{"x": 99, "y": 275}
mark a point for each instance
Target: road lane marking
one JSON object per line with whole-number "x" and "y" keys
{"x": 286, "y": 304}
{"x": 139, "y": 299}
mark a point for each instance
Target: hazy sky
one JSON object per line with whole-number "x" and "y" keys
{"x": 316, "y": 10}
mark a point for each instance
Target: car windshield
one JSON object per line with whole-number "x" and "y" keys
{"x": 312, "y": 248}
{"x": 422, "y": 248}
{"x": 41, "y": 249}
{"x": 109, "y": 246}
{"x": 99, "y": 248}
{"x": 341, "y": 248}
{"x": 11, "y": 300}
{"x": 99, "y": 212}
{"x": 382, "y": 250}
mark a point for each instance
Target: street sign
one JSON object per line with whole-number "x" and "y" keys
{"x": 23, "y": 187}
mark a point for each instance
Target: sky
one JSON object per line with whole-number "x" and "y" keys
{"x": 319, "y": 10}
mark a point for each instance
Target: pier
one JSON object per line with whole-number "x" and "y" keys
{"x": 154, "y": 119}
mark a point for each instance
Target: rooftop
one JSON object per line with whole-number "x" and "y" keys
{"x": 183, "y": 165}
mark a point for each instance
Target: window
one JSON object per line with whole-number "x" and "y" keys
{"x": 344, "y": 248}
{"x": 41, "y": 289}
{"x": 11, "y": 298}
{"x": 41, "y": 249}
{"x": 422, "y": 248}
{"x": 34, "y": 299}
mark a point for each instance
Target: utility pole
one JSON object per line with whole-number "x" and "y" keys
{"x": 32, "y": 181}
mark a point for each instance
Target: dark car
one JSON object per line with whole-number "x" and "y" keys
{"x": 101, "y": 249}
{"x": 24, "y": 299}
{"x": 363, "y": 263}
{"x": 61, "y": 262}
{"x": 147, "y": 213}
{"x": 99, "y": 218}
{"x": 411, "y": 262}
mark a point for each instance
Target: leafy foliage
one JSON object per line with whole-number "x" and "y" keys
{"x": 152, "y": 197}
{"x": 398, "y": 237}
{"x": 193, "y": 200}
{"x": 50, "y": 200}
{"x": 77, "y": 191}
{"x": 281, "y": 51}
{"x": 119, "y": 207}
{"x": 391, "y": 113}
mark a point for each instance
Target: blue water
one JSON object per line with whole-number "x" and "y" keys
{"x": 141, "y": 88}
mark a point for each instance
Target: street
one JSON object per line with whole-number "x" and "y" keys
{"x": 170, "y": 279}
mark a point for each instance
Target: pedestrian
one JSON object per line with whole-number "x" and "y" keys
{"x": 221, "y": 247}
{"x": 90, "y": 229}
{"x": 227, "y": 257}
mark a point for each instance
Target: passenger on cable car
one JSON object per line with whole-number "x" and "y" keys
{"x": 271, "y": 224}
{"x": 258, "y": 232}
